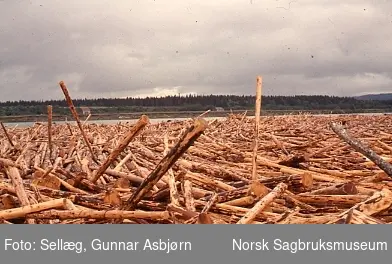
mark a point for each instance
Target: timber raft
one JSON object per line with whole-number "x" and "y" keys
{"x": 193, "y": 171}
{"x": 298, "y": 169}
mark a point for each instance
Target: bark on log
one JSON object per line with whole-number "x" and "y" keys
{"x": 76, "y": 116}
{"x": 361, "y": 148}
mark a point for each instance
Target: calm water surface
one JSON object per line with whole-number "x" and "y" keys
{"x": 158, "y": 120}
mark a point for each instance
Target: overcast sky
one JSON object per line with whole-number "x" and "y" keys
{"x": 139, "y": 48}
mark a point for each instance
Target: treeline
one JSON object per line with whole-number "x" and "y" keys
{"x": 194, "y": 103}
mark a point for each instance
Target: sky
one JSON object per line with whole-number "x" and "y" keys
{"x": 166, "y": 47}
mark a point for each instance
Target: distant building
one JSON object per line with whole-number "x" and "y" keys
{"x": 219, "y": 109}
{"x": 85, "y": 110}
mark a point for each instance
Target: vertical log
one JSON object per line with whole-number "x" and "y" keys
{"x": 76, "y": 116}
{"x": 50, "y": 117}
{"x": 257, "y": 123}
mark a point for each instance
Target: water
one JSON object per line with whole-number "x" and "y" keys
{"x": 110, "y": 122}
{"x": 159, "y": 120}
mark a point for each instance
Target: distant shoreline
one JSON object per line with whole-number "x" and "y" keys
{"x": 175, "y": 115}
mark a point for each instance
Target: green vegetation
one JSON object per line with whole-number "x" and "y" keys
{"x": 196, "y": 103}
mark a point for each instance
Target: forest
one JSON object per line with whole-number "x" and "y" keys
{"x": 196, "y": 103}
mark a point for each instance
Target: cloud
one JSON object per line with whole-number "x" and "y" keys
{"x": 135, "y": 48}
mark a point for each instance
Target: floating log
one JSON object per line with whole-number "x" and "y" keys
{"x": 360, "y": 147}
{"x": 25, "y": 210}
{"x": 167, "y": 162}
{"x": 207, "y": 182}
{"x": 135, "y": 130}
{"x": 263, "y": 203}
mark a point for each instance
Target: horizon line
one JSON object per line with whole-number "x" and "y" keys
{"x": 180, "y": 96}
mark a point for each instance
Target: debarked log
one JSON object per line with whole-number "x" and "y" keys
{"x": 95, "y": 214}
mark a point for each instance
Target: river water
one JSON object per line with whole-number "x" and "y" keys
{"x": 158, "y": 120}
{"x": 109, "y": 122}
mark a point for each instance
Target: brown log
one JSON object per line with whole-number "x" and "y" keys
{"x": 355, "y": 217}
{"x": 189, "y": 201}
{"x": 79, "y": 180}
{"x": 167, "y": 162}
{"x": 235, "y": 210}
{"x": 209, "y": 204}
{"x": 95, "y": 214}
{"x": 289, "y": 197}
{"x": 76, "y": 116}
{"x": 133, "y": 178}
{"x": 208, "y": 183}
{"x": 257, "y": 125}
{"x": 17, "y": 182}
{"x": 9, "y": 163}
{"x": 324, "y": 149}
{"x": 226, "y": 196}
{"x": 205, "y": 219}
{"x": 262, "y": 204}
{"x": 243, "y": 201}
{"x": 25, "y": 210}
{"x": 305, "y": 180}
{"x": 50, "y": 118}
{"x": 185, "y": 214}
{"x": 361, "y": 148}
{"x": 8, "y": 202}
{"x": 337, "y": 189}
{"x": 6, "y": 134}
{"x": 378, "y": 205}
{"x": 292, "y": 161}
{"x": 174, "y": 196}
{"x": 135, "y": 130}
{"x": 331, "y": 200}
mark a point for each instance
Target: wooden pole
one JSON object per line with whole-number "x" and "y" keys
{"x": 50, "y": 117}
{"x": 76, "y": 116}
{"x": 135, "y": 130}
{"x": 257, "y": 123}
